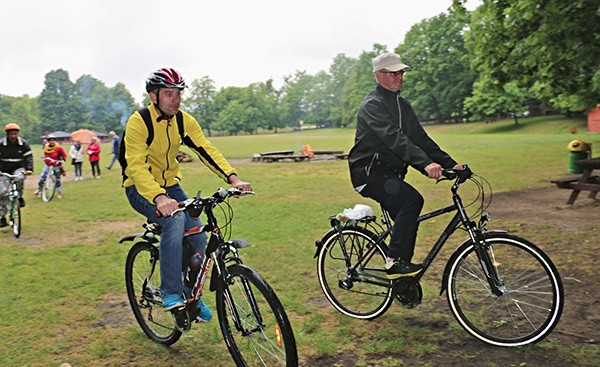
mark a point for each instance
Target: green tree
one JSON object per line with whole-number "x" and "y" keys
{"x": 25, "y": 112}
{"x": 440, "y": 77}
{"x": 549, "y": 48}
{"x": 359, "y": 83}
{"x": 201, "y": 102}
{"x": 58, "y": 108}
{"x": 339, "y": 70}
{"x": 120, "y": 106}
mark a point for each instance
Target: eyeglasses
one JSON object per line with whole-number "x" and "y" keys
{"x": 393, "y": 73}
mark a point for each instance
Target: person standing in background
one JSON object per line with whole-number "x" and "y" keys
{"x": 93, "y": 151}
{"x": 76, "y": 153}
{"x": 116, "y": 141}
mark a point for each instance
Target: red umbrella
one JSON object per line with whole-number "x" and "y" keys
{"x": 83, "y": 135}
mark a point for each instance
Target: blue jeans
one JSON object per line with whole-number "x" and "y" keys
{"x": 171, "y": 237}
{"x": 404, "y": 203}
{"x": 114, "y": 159}
{"x": 77, "y": 166}
{"x": 44, "y": 174}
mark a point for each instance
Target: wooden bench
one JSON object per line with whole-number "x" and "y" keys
{"x": 328, "y": 152}
{"x": 260, "y": 157}
{"x": 583, "y": 182}
{"x": 567, "y": 182}
{"x": 281, "y": 157}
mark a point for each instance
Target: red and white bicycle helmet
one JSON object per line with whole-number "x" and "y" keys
{"x": 164, "y": 78}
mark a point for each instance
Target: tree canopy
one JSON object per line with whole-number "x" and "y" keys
{"x": 506, "y": 58}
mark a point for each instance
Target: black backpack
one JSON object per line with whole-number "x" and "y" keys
{"x": 145, "y": 113}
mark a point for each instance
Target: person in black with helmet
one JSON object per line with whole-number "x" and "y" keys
{"x": 15, "y": 158}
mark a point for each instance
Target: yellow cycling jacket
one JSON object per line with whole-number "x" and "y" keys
{"x": 154, "y": 167}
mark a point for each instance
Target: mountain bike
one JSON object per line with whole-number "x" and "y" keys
{"x": 52, "y": 177}
{"x": 253, "y": 321}
{"x": 501, "y": 288}
{"x": 13, "y": 208}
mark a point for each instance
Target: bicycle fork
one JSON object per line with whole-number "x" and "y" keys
{"x": 485, "y": 257}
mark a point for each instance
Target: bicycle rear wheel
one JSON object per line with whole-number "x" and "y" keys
{"x": 49, "y": 186}
{"x": 15, "y": 216}
{"x": 359, "y": 290}
{"x": 142, "y": 279}
{"x": 532, "y": 296}
{"x": 253, "y": 322}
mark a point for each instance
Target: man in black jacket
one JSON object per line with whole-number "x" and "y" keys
{"x": 15, "y": 157}
{"x": 388, "y": 139}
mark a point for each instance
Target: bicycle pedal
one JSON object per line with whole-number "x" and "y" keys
{"x": 183, "y": 320}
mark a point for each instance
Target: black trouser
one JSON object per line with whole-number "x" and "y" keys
{"x": 404, "y": 203}
{"x": 95, "y": 168}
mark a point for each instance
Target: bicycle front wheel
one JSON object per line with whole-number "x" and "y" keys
{"x": 49, "y": 187}
{"x": 531, "y": 297}
{"x": 352, "y": 274}
{"x": 142, "y": 279}
{"x": 253, "y": 322}
{"x": 15, "y": 217}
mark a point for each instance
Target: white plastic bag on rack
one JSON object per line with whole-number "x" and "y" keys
{"x": 358, "y": 212}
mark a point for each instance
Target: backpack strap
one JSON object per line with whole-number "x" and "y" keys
{"x": 179, "y": 117}
{"x": 145, "y": 113}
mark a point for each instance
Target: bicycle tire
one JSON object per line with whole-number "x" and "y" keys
{"x": 267, "y": 338}
{"x": 142, "y": 279}
{"x": 532, "y": 300}
{"x": 351, "y": 293}
{"x": 49, "y": 186}
{"x": 15, "y": 216}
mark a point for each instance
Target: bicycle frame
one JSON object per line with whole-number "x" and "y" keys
{"x": 459, "y": 218}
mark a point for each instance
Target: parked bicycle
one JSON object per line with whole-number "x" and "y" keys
{"x": 253, "y": 321}
{"x": 50, "y": 180}
{"x": 501, "y": 288}
{"x": 13, "y": 207}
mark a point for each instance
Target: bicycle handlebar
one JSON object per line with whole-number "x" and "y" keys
{"x": 51, "y": 160}
{"x": 12, "y": 176}
{"x": 461, "y": 175}
{"x": 196, "y": 205}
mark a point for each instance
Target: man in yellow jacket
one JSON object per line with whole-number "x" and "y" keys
{"x": 151, "y": 175}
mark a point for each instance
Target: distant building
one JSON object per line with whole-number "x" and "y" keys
{"x": 61, "y": 136}
{"x": 64, "y": 137}
{"x": 594, "y": 120}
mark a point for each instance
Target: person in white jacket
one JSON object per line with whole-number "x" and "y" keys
{"x": 76, "y": 152}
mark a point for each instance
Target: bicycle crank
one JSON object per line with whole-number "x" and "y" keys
{"x": 183, "y": 319}
{"x": 408, "y": 292}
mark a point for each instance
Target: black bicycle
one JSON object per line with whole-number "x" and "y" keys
{"x": 253, "y": 321}
{"x": 13, "y": 207}
{"x": 501, "y": 288}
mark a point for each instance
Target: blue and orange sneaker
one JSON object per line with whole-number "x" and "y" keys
{"x": 204, "y": 313}
{"x": 172, "y": 301}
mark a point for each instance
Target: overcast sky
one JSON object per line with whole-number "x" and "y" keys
{"x": 234, "y": 42}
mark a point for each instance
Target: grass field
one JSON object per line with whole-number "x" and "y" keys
{"x": 62, "y": 293}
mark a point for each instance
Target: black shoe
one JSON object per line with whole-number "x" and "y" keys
{"x": 401, "y": 268}
{"x": 21, "y": 202}
{"x": 3, "y": 222}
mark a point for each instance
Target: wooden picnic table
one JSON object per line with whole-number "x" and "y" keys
{"x": 260, "y": 157}
{"x": 585, "y": 182}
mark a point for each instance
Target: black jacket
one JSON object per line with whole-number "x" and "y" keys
{"x": 15, "y": 155}
{"x": 384, "y": 145}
